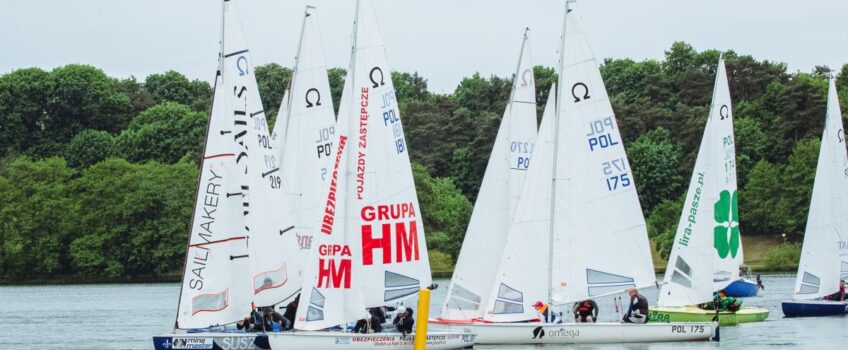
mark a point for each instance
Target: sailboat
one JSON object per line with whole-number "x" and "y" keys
{"x": 822, "y": 265}
{"x": 577, "y": 231}
{"x": 239, "y": 254}
{"x": 502, "y": 183}
{"x": 369, "y": 248}
{"x": 707, "y": 248}
{"x": 306, "y": 129}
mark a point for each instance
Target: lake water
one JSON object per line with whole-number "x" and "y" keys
{"x": 125, "y": 316}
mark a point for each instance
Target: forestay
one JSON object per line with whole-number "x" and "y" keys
{"x": 707, "y": 247}
{"x": 498, "y": 197}
{"x": 370, "y": 241}
{"x": 307, "y": 145}
{"x": 820, "y": 267}
{"x": 578, "y": 231}
{"x": 272, "y": 247}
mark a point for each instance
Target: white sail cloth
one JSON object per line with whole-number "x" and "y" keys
{"x": 826, "y": 234}
{"x": 370, "y": 247}
{"x": 499, "y": 192}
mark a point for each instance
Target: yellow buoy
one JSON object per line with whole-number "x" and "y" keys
{"x": 421, "y": 321}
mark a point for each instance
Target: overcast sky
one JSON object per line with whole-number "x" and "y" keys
{"x": 444, "y": 40}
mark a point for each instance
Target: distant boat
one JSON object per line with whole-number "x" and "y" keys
{"x": 707, "y": 250}
{"x": 502, "y": 183}
{"x": 577, "y": 231}
{"x": 823, "y": 255}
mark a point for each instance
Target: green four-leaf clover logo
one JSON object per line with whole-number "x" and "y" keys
{"x": 726, "y": 232}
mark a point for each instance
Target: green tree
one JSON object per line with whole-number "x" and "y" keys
{"x": 662, "y": 224}
{"x": 273, "y": 80}
{"x": 655, "y": 161}
{"x": 445, "y": 211}
{"x": 23, "y": 97}
{"x": 337, "y": 79}
{"x": 172, "y": 86}
{"x": 131, "y": 220}
{"x": 164, "y": 133}
{"x": 33, "y": 232}
{"x": 89, "y": 147}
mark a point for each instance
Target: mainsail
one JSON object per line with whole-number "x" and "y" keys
{"x": 498, "y": 197}
{"x": 310, "y": 132}
{"x": 272, "y": 247}
{"x": 578, "y": 230}
{"x": 279, "y": 131}
{"x": 214, "y": 290}
{"x": 369, "y": 247}
{"x": 826, "y": 234}
{"x": 707, "y": 248}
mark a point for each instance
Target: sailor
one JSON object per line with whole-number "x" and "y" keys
{"x": 291, "y": 311}
{"x": 585, "y": 311}
{"x": 726, "y": 303}
{"x": 840, "y": 295}
{"x": 273, "y": 321}
{"x": 368, "y": 324}
{"x": 548, "y": 316}
{"x": 638, "y": 310}
{"x": 403, "y": 321}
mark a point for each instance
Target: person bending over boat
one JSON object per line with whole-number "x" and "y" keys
{"x": 724, "y": 302}
{"x": 585, "y": 311}
{"x": 272, "y": 321}
{"x": 548, "y": 316}
{"x": 638, "y": 310}
{"x": 838, "y": 296}
{"x": 403, "y": 321}
{"x": 369, "y": 324}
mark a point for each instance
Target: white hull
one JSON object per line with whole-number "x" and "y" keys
{"x": 326, "y": 340}
{"x": 211, "y": 340}
{"x": 583, "y": 333}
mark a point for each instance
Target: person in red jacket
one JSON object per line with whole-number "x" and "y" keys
{"x": 585, "y": 311}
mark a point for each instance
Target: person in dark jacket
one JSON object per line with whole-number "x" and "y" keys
{"x": 273, "y": 321}
{"x": 403, "y": 321}
{"x": 369, "y": 324}
{"x": 291, "y": 311}
{"x": 839, "y": 295}
{"x": 638, "y": 310}
{"x": 585, "y": 311}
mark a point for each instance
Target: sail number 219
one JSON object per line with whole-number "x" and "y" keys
{"x": 616, "y": 174}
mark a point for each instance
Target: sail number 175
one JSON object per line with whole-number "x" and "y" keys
{"x": 615, "y": 172}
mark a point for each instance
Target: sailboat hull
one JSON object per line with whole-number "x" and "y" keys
{"x": 694, "y": 314}
{"x": 388, "y": 341}
{"x": 742, "y": 288}
{"x": 581, "y": 333}
{"x": 214, "y": 341}
{"x": 811, "y": 308}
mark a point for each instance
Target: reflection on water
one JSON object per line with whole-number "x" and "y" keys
{"x": 125, "y": 316}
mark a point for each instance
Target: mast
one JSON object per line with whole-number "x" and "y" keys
{"x": 306, "y": 14}
{"x": 218, "y": 75}
{"x": 518, "y": 67}
{"x": 557, "y": 118}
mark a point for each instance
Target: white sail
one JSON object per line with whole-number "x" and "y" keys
{"x": 214, "y": 290}
{"x": 498, "y": 197}
{"x": 370, "y": 247}
{"x": 279, "y": 131}
{"x": 273, "y": 250}
{"x": 707, "y": 247}
{"x": 592, "y": 241}
{"x": 307, "y": 145}
{"x": 826, "y": 232}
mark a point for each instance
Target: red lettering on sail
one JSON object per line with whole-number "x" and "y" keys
{"x": 369, "y": 243}
{"x": 406, "y": 245}
{"x": 330, "y": 207}
{"x": 332, "y": 276}
{"x": 363, "y": 142}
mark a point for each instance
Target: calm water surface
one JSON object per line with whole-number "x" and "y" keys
{"x": 125, "y": 316}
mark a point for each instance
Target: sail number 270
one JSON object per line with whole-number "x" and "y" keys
{"x": 616, "y": 174}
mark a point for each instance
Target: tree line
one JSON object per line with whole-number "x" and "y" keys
{"x": 98, "y": 174}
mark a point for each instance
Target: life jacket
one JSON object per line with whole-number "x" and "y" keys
{"x": 585, "y": 307}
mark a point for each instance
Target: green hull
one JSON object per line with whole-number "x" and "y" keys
{"x": 693, "y": 314}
